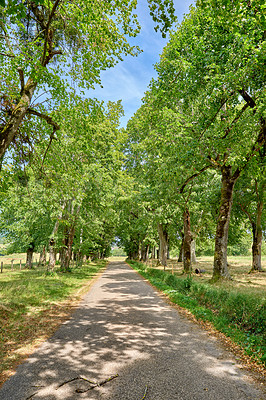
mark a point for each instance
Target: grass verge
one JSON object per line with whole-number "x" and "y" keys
{"x": 238, "y": 315}
{"x": 33, "y": 304}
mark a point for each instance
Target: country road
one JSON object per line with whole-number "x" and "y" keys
{"x": 124, "y": 342}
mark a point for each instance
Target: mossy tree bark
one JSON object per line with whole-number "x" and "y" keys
{"x": 9, "y": 131}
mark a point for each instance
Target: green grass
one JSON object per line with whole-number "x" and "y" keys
{"x": 32, "y": 303}
{"x": 239, "y": 314}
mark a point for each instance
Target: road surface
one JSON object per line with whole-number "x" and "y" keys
{"x": 124, "y": 342}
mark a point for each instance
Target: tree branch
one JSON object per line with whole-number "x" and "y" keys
{"x": 48, "y": 37}
{"x": 228, "y": 130}
{"x": 215, "y": 115}
{"x": 261, "y": 141}
{"x": 248, "y": 99}
{"x": 246, "y": 212}
{"x": 193, "y": 176}
{"x": 48, "y": 119}
{"x": 21, "y": 77}
{"x": 7, "y": 39}
{"x": 7, "y": 55}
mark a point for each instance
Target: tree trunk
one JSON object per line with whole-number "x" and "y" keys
{"x": 193, "y": 251}
{"x": 42, "y": 260}
{"x": 18, "y": 113}
{"x": 67, "y": 250}
{"x": 147, "y": 252}
{"x": 163, "y": 236}
{"x": 29, "y": 256}
{"x": 52, "y": 255}
{"x": 187, "y": 242}
{"x": 52, "y": 251}
{"x": 69, "y": 238}
{"x": 257, "y": 239}
{"x": 220, "y": 268}
{"x": 144, "y": 252}
{"x": 181, "y": 250}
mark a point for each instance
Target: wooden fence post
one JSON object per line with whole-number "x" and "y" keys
{"x": 1, "y": 267}
{"x": 12, "y": 261}
{"x": 20, "y": 265}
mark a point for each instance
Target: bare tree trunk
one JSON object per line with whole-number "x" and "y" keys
{"x": 163, "y": 236}
{"x": 193, "y": 251}
{"x": 257, "y": 239}
{"x": 220, "y": 268}
{"x": 69, "y": 238}
{"x": 42, "y": 260}
{"x": 144, "y": 252}
{"x": 52, "y": 251}
{"x": 52, "y": 255}
{"x": 147, "y": 252}
{"x": 67, "y": 250}
{"x": 181, "y": 250}
{"x": 30, "y": 251}
{"x": 187, "y": 242}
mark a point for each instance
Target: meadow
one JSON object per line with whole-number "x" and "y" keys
{"x": 34, "y": 303}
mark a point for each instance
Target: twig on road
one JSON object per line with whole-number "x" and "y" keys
{"x": 97, "y": 384}
{"x": 75, "y": 379}
{"x": 31, "y": 396}
{"x": 146, "y": 390}
{"x": 92, "y": 386}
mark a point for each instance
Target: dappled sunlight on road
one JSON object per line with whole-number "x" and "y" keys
{"x": 123, "y": 327}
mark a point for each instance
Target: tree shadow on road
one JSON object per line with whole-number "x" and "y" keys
{"x": 123, "y": 327}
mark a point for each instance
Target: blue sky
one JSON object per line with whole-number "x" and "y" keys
{"x": 129, "y": 79}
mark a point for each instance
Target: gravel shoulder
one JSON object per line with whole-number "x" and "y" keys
{"x": 125, "y": 342}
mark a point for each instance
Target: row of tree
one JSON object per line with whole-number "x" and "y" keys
{"x": 60, "y": 153}
{"x": 72, "y": 181}
{"x": 199, "y": 138}
{"x": 65, "y": 201}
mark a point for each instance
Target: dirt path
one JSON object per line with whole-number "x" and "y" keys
{"x": 123, "y": 327}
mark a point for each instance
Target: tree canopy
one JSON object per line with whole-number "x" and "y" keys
{"x": 189, "y": 168}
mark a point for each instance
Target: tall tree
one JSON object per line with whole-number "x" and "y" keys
{"x": 211, "y": 81}
{"x": 44, "y": 43}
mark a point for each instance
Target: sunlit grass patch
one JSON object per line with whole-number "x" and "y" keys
{"x": 33, "y": 304}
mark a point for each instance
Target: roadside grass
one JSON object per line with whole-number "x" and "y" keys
{"x": 236, "y": 308}
{"x": 33, "y": 304}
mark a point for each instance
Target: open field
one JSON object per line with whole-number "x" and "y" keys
{"x": 33, "y": 304}
{"x": 239, "y": 267}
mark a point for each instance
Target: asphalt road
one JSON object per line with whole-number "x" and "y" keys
{"x": 123, "y": 327}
